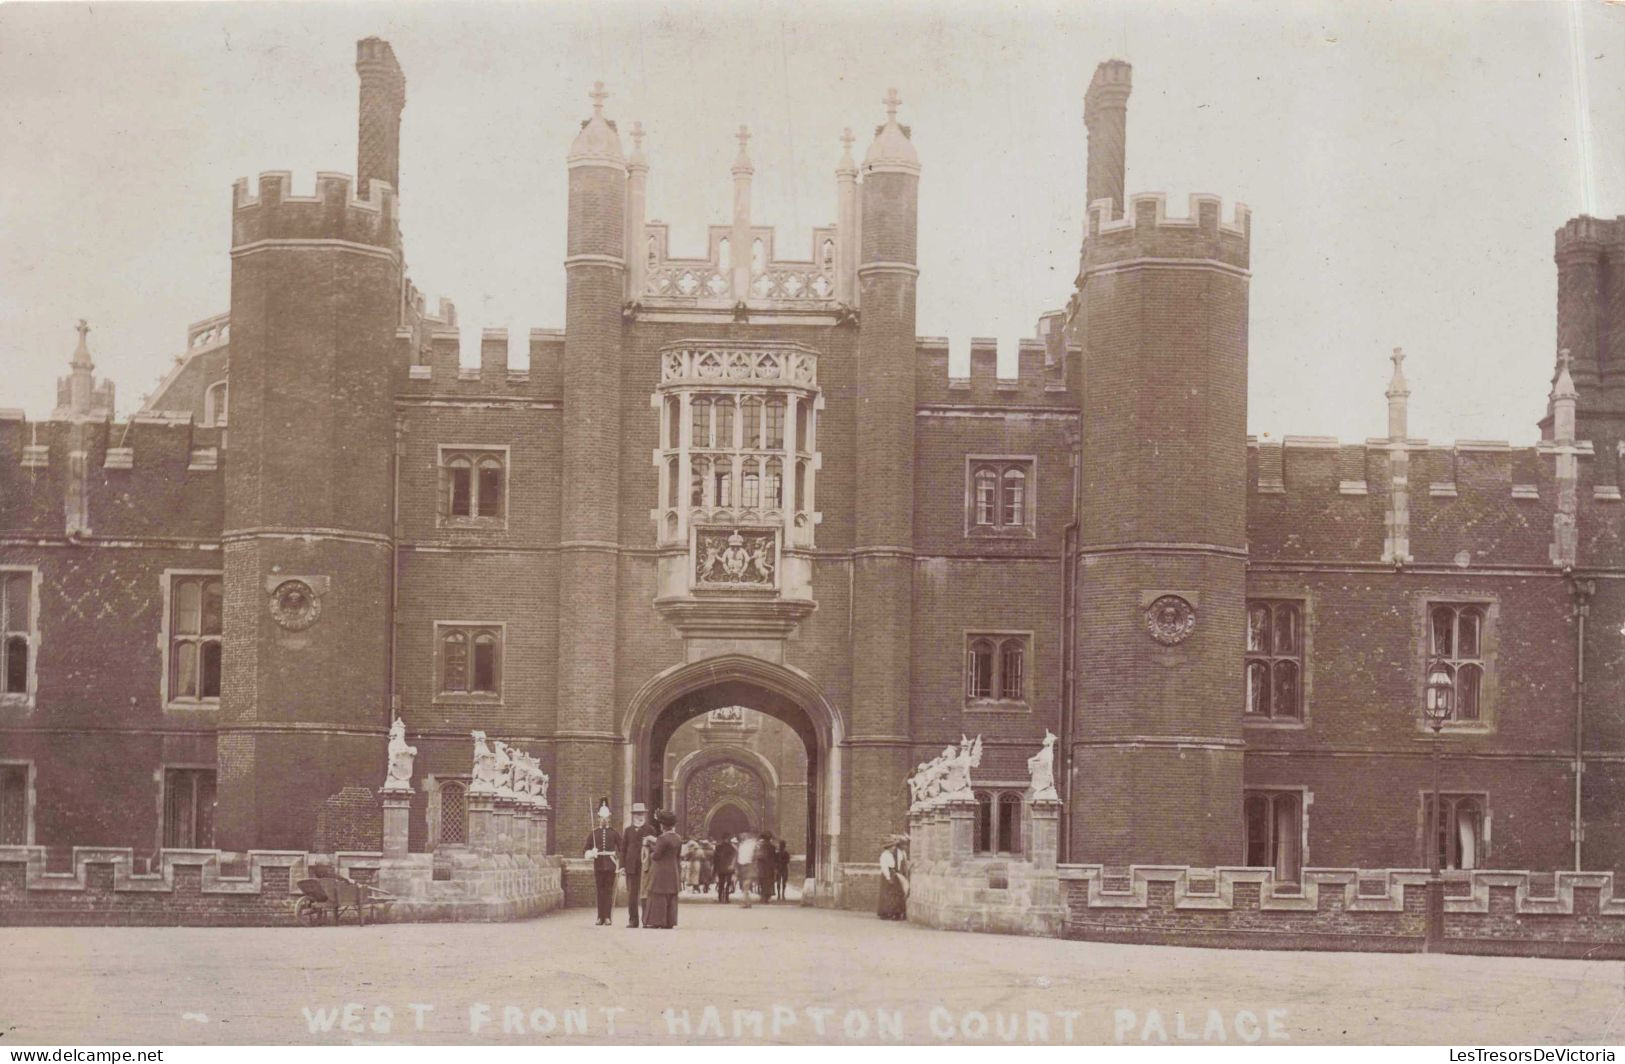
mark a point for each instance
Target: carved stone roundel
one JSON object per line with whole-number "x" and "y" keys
{"x": 295, "y": 606}
{"x": 1170, "y": 619}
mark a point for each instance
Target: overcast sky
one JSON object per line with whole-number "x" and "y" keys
{"x": 1406, "y": 164}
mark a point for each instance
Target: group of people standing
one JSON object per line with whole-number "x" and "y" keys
{"x": 658, "y": 864}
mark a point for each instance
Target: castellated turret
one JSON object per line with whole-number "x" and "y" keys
{"x": 595, "y": 288}
{"x": 883, "y": 568}
{"x": 315, "y": 304}
{"x": 1590, "y": 254}
{"x": 1161, "y": 314}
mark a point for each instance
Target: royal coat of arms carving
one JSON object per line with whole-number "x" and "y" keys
{"x": 735, "y": 559}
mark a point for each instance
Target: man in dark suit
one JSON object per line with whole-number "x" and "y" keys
{"x": 632, "y": 857}
{"x": 723, "y": 862}
{"x": 603, "y": 844}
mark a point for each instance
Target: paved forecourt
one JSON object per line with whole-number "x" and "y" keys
{"x": 769, "y": 973}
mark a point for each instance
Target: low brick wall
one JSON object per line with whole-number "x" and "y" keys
{"x": 206, "y": 888}
{"x": 187, "y": 889}
{"x": 1566, "y": 914}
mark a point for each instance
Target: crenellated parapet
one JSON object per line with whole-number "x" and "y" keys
{"x": 436, "y": 365}
{"x": 274, "y": 214}
{"x": 1038, "y": 379}
{"x": 1585, "y": 233}
{"x": 1147, "y": 232}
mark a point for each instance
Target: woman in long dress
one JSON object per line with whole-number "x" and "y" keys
{"x": 691, "y": 866}
{"x": 893, "y": 904}
{"x": 666, "y": 882}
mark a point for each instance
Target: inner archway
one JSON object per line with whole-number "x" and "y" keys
{"x": 726, "y": 820}
{"x": 687, "y": 692}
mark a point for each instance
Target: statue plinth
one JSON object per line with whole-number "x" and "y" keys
{"x": 480, "y": 804}
{"x": 1041, "y": 835}
{"x": 397, "y": 804}
{"x": 961, "y": 817}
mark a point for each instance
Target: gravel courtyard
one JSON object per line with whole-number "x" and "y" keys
{"x": 767, "y": 974}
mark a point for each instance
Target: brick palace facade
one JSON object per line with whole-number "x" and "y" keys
{"x": 743, "y": 480}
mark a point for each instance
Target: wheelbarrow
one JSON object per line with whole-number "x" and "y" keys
{"x": 335, "y": 895}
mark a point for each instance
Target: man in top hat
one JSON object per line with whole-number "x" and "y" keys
{"x": 632, "y": 857}
{"x": 603, "y": 846}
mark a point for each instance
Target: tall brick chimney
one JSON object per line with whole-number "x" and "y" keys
{"x": 383, "y": 96}
{"x": 1105, "y": 113}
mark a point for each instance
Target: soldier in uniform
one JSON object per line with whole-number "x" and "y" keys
{"x": 603, "y": 845}
{"x": 632, "y": 857}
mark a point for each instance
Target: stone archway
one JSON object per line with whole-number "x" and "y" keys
{"x": 728, "y": 817}
{"x": 700, "y": 782}
{"x": 684, "y": 692}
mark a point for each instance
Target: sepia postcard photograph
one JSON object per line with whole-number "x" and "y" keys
{"x": 1000, "y": 524}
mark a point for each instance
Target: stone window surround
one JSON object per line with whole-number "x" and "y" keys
{"x": 489, "y": 698}
{"x": 1486, "y": 818}
{"x": 444, "y": 518}
{"x": 1305, "y": 602}
{"x": 217, "y": 405}
{"x": 433, "y": 809}
{"x": 28, "y": 794}
{"x": 1306, "y": 799}
{"x": 997, "y": 791}
{"x": 25, "y": 699}
{"x": 1488, "y": 648}
{"x": 1000, "y": 463}
{"x": 997, "y": 704}
{"x": 165, "y": 643}
{"x": 162, "y": 779}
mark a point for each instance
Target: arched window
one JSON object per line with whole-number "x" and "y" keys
{"x": 699, "y": 471}
{"x": 700, "y": 420}
{"x": 195, "y": 612}
{"x": 474, "y": 485}
{"x": 999, "y": 496}
{"x": 751, "y": 412}
{"x": 722, "y": 470}
{"x": 214, "y": 405}
{"x": 984, "y": 822}
{"x": 724, "y": 254}
{"x": 979, "y": 675}
{"x": 987, "y": 489}
{"x": 1012, "y": 659}
{"x": 1274, "y": 659}
{"x": 724, "y": 408}
{"x": 801, "y": 484}
{"x": 1271, "y": 820}
{"x": 1459, "y": 832}
{"x": 453, "y": 814}
{"x": 827, "y": 256}
{"x": 802, "y": 418}
{"x": 674, "y": 421}
{"x": 673, "y": 488}
{"x": 1015, "y": 498}
{"x": 1009, "y": 823}
{"x": 996, "y": 667}
{"x": 998, "y": 822}
{"x": 488, "y": 487}
{"x": 470, "y": 659}
{"x": 1456, "y": 645}
{"x": 773, "y": 485}
{"x": 460, "y": 480}
{"x": 775, "y": 424}
{"x": 751, "y": 490}
{"x": 17, "y": 631}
